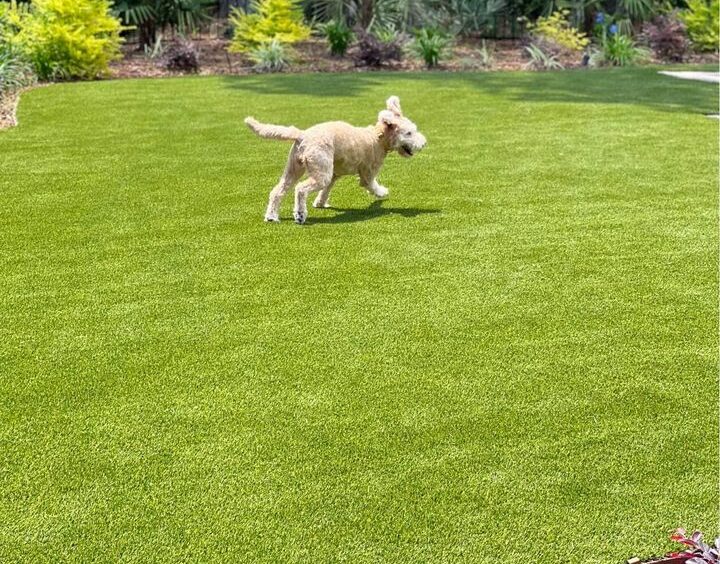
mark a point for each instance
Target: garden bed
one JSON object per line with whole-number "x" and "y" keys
{"x": 313, "y": 56}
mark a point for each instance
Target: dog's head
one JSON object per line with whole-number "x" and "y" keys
{"x": 400, "y": 133}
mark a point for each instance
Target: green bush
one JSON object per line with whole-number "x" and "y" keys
{"x": 430, "y": 44}
{"x": 618, "y": 50}
{"x": 540, "y": 60}
{"x": 270, "y": 57}
{"x": 15, "y": 71}
{"x": 65, "y": 38}
{"x": 280, "y": 20}
{"x": 702, "y": 19}
{"x": 338, "y": 36}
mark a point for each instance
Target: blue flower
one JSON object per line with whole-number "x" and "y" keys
{"x": 613, "y": 29}
{"x": 599, "y": 18}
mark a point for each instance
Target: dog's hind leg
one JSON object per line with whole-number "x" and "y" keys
{"x": 320, "y": 175}
{"x": 293, "y": 172}
{"x": 301, "y": 193}
{"x": 322, "y": 198}
{"x": 313, "y": 184}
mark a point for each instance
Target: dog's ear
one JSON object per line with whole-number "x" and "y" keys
{"x": 388, "y": 118}
{"x": 393, "y": 104}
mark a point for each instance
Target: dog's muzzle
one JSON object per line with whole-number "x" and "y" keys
{"x": 410, "y": 149}
{"x": 406, "y": 151}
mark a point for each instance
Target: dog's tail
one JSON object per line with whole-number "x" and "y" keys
{"x": 269, "y": 131}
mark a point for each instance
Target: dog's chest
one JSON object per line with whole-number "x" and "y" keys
{"x": 352, "y": 157}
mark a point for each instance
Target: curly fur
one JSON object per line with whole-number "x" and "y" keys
{"x": 333, "y": 149}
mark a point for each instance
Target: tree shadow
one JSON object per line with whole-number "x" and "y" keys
{"x": 622, "y": 86}
{"x": 322, "y": 85}
{"x": 638, "y": 86}
{"x": 373, "y": 211}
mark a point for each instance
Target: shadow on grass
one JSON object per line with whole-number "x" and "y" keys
{"x": 321, "y": 85}
{"x": 626, "y": 86}
{"x": 373, "y": 211}
{"x": 637, "y": 87}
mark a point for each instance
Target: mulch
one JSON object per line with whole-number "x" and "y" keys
{"x": 313, "y": 56}
{"x": 8, "y": 105}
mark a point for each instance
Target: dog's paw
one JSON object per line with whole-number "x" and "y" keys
{"x": 300, "y": 217}
{"x": 381, "y": 192}
{"x": 272, "y": 219}
{"x": 321, "y": 205}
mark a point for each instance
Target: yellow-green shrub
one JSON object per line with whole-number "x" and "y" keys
{"x": 557, "y": 29}
{"x": 11, "y": 16}
{"x": 281, "y": 20}
{"x": 702, "y": 19}
{"x": 68, "y": 38}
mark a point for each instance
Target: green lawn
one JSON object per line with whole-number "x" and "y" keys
{"x": 513, "y": 359}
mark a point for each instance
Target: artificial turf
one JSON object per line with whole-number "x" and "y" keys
{"x": 513, "y": 359}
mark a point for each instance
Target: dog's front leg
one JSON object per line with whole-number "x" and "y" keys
{"x": 374, "y": 188}
{"x": 368, "y": 180}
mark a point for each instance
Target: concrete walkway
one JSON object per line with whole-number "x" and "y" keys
{"x": 692, "y": 75}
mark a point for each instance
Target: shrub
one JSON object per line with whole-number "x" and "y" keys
{"x": 430, "y": 45}
{"x": 338, "y": 36}
{"x": 540, "y": 60}
{"x": 182, "y": 56}
{"x": 557, "y": 29}
{"x": 702, "y": 19}
{"x": 270, "y": 19}
{"x": 270, "y": 57}
{"x": 666, "y": 37}
{"x": 68, "y": 38}
{"x": 618, "y": 50}
{"x": 10, "y": 17}
{"x": 373, "y": 52}
{"x": 15, "y": 71}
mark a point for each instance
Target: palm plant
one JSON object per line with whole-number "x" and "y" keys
{"x": 467, "y": 16}
{"x": 371, "y": 15}
{"x": 153, "y": 16}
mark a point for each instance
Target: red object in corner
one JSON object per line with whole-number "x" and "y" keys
{"x": 669, "y": 558}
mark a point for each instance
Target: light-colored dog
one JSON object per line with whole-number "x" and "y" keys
{"x": 333, "y": 149}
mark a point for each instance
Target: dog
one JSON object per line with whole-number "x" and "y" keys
{"x": 333, "y": 149}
